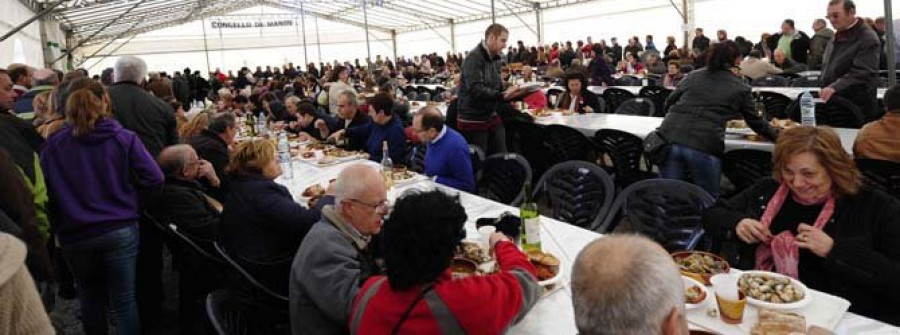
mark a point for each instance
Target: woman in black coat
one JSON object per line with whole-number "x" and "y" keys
{"x": 577, "y": 97}
{"x": 814, "y": 222}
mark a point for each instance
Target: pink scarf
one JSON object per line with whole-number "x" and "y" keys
{"x": 782, "y": 253}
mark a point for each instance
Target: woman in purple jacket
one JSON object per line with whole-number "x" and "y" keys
{"x": 94, "y": 170}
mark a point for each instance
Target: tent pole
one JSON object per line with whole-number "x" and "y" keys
{"x": 493, "y": 13}
{"x": 366, "y": 24}
{"x": 205, "y": 46}
{"x": 453, "y": 35}
{"x": 394, "y": 42}
{"x": 318, "y": 42}
{"x": 303, "y": 24}
{"x": 46, "y": 10}
{"x": 889, "y": 36}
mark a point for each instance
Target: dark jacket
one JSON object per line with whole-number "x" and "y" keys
{"x": 182, "y": 202}
{"x": 616, "y": 54}
{"x": 790, "y": 66}
{"x": 211, "y": 147}
{"x": 701, "y": 105}
{"x": 850, "y": 66}
{"x": 182, "y": 90}
{"x": 481, "y": 90}
{"x": 261, "y": 221}
{"x": 700, "y": 43}
{"x": 864, "y": 263}
{"x": 588, "y": 99}
{"x": 817, "y": 46}
{"x": 601, "y": 72}
{"x": 359, "y": 120}
{"x": 799, "y": 46}
{"x": 148, "y": 116}
{"x": 94, "y": 179}
{"x": 565, "y": 58}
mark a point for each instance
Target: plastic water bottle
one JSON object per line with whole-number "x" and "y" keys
{"x": 284, "y": 156}
{"x": 261, "y": 126}
{"x": 807, "y": 110}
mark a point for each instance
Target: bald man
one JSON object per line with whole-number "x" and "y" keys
{"x": 184, "y": 200}
{"x": 447, "y": 158}
{"x": 627, "y": 284}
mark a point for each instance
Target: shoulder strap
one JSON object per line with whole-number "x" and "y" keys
{"x": 361, "y": 308}
{"x": 445, "y": 318}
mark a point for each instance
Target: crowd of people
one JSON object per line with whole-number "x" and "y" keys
{"x": 89, "y": 163}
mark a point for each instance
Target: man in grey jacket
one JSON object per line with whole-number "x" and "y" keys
{"x": 481, "y": 93}
{"x": 334, "y": 258}
{"x": 818, "y": 43}
{"x": 850, "y": 63}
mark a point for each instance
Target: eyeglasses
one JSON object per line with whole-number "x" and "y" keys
{"x": 381, "y": 206}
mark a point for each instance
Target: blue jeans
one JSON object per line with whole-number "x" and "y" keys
{"x": 694, "y": 166}
{"x": 104, "y": 271}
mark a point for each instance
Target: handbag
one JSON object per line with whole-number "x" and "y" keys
{"x": 656, "y": 148}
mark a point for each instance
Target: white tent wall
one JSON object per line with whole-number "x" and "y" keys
{"x": 25, "y": 45}
{"x": 177, "y": 47}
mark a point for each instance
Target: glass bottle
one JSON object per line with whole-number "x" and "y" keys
{"x": 531, "y": 222}
{"x": 387, "y": 166}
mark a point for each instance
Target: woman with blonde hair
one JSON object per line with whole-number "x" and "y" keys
{"x": 94, "y": 169}
{"x": 815, "y": 222}
{"x": 193, "y": 127}
{"x": 261, "y": 222}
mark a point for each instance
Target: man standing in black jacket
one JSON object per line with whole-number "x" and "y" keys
{"x": 794, "y": 43}
{"x": 850, "y": 63}
{"x": 700, "y": 42}
{"x": 481, "y": 93}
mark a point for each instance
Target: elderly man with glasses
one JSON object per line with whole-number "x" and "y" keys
{"x": 335, "y": 257}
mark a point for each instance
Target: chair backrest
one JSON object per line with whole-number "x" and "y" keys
{"x": 225, "y": 314}
{"x": 770, "y": 81}
{"x": 554, "y": 92}
{"x": 625, "y": 150}
{"x": 412, "y": 95}
{"x": 658, "y": 95}
{"x": 476, "y": 155}
{"x": 529, "y": 140}
{"x": 423, "y": 96}
{"x": 666, "y": 210}
{"x": 579, "y": 193}
{"x": 744, "y": 167}
{"x": 503, "y": 178}
{"x": 807, "y": 81}
{"x": 837, "y": 112}
{"x": 628, "y": 81}
{"x": 637, "y": 106}
{"x": 424, "y": 89}
{"x": 247, "y": 276}
{"x": 882, "y": 175}
{"x": 776, "y": 103}
{"x": 615, "y": 96}
{"x": 182, "y": 240}
{"x": 567, "y": 143}
{"x": 437, "y": 97}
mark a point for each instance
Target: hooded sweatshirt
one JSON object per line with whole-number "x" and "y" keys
{"x": 94, "y": 179}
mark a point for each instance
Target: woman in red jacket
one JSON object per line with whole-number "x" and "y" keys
{"x": 419, "y": 294}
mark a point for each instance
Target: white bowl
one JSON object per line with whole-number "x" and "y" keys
{"x": 807, "y": 297}
{"x": 688, "y": 282}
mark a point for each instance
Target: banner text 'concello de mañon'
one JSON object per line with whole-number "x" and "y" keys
{"x": 251, "y": 24}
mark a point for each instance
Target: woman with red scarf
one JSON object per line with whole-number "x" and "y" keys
{"x": 816, "y": 223}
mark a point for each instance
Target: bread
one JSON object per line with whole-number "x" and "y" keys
{"x": 778, "y": 323}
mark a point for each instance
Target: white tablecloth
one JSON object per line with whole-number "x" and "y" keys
{"x": 553, "y": 314}
{"x": 643, "y": 125}
{"x": 790, "y": 92}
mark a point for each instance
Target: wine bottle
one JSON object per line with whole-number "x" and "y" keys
{"x": 387, "y": 166}
{"x": 531, "y": 222}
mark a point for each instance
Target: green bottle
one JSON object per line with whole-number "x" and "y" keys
{"x": 531, "y": 222}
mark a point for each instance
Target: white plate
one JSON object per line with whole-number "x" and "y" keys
{"x": 739, "y": 131}
{"x": 807, "y": 297}
{"x": 688, "y": 282}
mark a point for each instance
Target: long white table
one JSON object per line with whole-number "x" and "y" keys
{"x": 790, "y": 92}
{"x": 640, "y": 126}
{"x": 553, "y": 314}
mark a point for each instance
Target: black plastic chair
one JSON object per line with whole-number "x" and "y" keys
{"x": 628, "y": 81}
{"x": 626, "y": 152}
{"x": 770, "y": 81}
{"x": 807, "y": 81}
{"x": 615, "y": 96}
{"x": 776, "y": 103}
{"x": 503, "y": 178}
{"x": 637, "y": 106}
{"x": 476, "y": 155}
{"x": 528, "y": 139}
{"x": 744, "y": 167}
{"x": 567, "y": 143}
{"x": 423, "y": 96}
{"x": 668, "y": 211}
{"x": 579, "y": 193}
{"x": 226, "y": 314}
{"x": 837, "y": 112}
{"x": 658, "y": 95}
{"x": 882, "y": 175}
{"x": 554, "y": 92}
{"x": 256, "y": 284}
{"x": 412, "y": 95}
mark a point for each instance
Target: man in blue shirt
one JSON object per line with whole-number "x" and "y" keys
{"x": 447, "y": 157}
{"x": 384, "y": 127}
